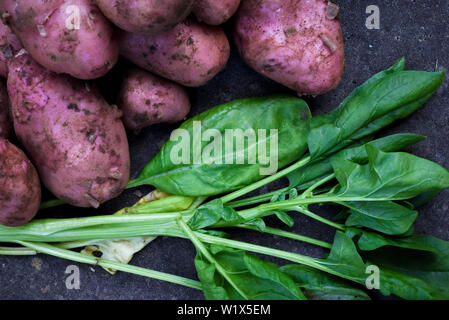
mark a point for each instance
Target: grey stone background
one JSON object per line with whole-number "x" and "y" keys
{"x": 417, "y": 30}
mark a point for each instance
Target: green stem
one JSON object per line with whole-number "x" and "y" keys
{"x": 294, "y": 257}
{"x": 267, "y": 197}
{"x": 125, "y": 226}
{"x": 267, "y": 180}
{"x": 78, "y": 244}
{"x": 195, "y": 237}
{"x": 255, "y": 200}
{"x": 114, "y": 231}
{"x": 205, "y": 252}
{"x": 51, "y": 226}
{"x": 290, "y": 235}
{"x": 198, "y": 201}
{"x": 309, "y": 191}
{"x": 51, "y": 204}
{"x": 12, "y": 251}
{"x": 312, "y": 215}
{"x": 82, "y": 258}
{"x": 257, "y": 212}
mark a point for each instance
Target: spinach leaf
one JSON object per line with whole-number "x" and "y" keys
{"x": 213, "y": 213}
{"x": 357, "y": 154}
{"x": 288, "y": 115}
{"x": 424, "y": 198}
{"x": 319, "y": 285}
{"x": 408, "y": 286}
{"x": 398, "y": 66}
{"x": 421, "y": 258}
{"x": 388, "y": 176}
{"x": 384, "y": 216}
{"x": 387, "y": 96}
{"x": 418, "y": 256}
{"x": 433, "y": 253}
{"x": 381, "y": 122}
{"x": 258, "y": 223}
{"x": 394, "y": 142}
{"x": 257, "y": 279}
{"x": 309, "y": 175}
{"x": 346, "y": 262}
{"x": 284, "y": 217}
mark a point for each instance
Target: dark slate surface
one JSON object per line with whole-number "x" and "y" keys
{"x": 417, "y": 30}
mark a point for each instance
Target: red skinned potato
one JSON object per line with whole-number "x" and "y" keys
{"x": 297, "y": 43}
{"x": 215, "y": 12}
{"x": 190, "y": 54}
{"x": 146, "y": 16}
{"x": 5, "y": 120}
{"x": 65, "y": 36}
{"x": 9, "y": 46}
{"x": 146, "y": 99}
{"x": 20, "y": 189}
{"x": 76, "y": 140}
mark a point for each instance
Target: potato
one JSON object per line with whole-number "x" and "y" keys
{"x": 297, "y": 43}
{"x": 146, "y": 16}
{"x": 146, "y": 99}
{"x": 20, "y": 189}
{"x": 75, "y": 139}
{"x": 9, "y": 45}
{"x": 215, "y": 12}
{"x": 190, "y": 54}
{"x": 65, "y": 36}
{"x": 5, "y": 120}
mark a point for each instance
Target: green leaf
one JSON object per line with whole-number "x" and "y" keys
{"x": 346, "y": 262}
{"x": 285, "y": 218}
{"x": 389, "y": 176}
{"x": 259, "y": 280}
{"x": 407, "y": 286}
{"x": 288, "y": 115}
{"x": 387, "y": 96}
{"x": 418, "y": 256}
{"x": 398, "y": 66}
{"x": 213, "y": 213}
{"x": 356, "y": 154}
{"x": 423, "y": 252}
{"x": 258, "y": 223}
{"x": 385, "y": 216}
{"x": 271, "y": 274}
{"x": 212, "y": 288}
{"x": 319, "y": 285}
{"x": 382, "y": 122}
{"x": 424, "y": 198}
{"x": 394, "y": 142}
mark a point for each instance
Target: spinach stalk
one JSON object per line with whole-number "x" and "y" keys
{"x": 289, "y": 235}
{"x": 82, "y": 258}
{"x": 237, "y": 194}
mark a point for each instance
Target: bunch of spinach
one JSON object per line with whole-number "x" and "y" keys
{"x": 377, "y": 186}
